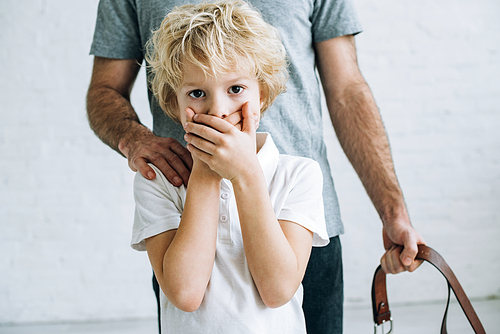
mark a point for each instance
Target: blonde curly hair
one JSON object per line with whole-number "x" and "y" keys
{"x": 218, "y": 37}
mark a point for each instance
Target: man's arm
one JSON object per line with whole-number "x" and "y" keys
{"x": 116, "y": 123}
{"x": 361, "y": 133}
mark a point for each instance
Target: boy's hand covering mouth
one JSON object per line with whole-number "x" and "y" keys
{"x": 235, "y": 118}
{"x": 216, "y": 142}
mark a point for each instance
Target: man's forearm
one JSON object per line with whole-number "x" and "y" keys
{"x": 109, "y": 111}
{"x": 361, "y": 133}
{"x": 358, "y": 124}
{"x": 112, "y": 117}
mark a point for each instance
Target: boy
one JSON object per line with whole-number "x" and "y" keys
{"x": 230, "y": 249}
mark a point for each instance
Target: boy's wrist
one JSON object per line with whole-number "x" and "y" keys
{"x": 251, "y": 177}
{"x": 201, "y": 170}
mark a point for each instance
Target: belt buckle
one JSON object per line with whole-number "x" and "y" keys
{"x": 382, "y": 325}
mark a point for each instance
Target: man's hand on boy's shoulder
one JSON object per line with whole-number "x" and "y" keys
{"x": 173, "y": 159}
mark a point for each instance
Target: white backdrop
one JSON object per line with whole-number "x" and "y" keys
{"x": 66, "y": 203}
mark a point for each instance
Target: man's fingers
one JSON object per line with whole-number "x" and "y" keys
{"x": 387, "y": 264}
{"x": 410, "y": 251}
{"x": 409, "y": 254}
{"x": 170, "y": 164}
{"x": 396, "y": 234}
{"x": 390, "y": 261}
{"x": 414, "y": 265}
{"x": 172, "y": 167}
{"x": 142, "y": 166}
{"x": 167, "y": 154}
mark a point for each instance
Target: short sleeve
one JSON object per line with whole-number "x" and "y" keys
{"x": 304, "y": 202}
{"x": 334, "y": 18}
{"x": 158, "y": 207}
{"x": 117, "y": 31}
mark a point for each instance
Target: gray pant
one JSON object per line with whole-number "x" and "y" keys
{"x": 324, "y": 290}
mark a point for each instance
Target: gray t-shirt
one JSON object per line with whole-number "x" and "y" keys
{"x": 294, "y": 120}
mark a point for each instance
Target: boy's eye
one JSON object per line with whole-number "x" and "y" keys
{"x": 197, "y": 94}
{"x": 235, "y": 89}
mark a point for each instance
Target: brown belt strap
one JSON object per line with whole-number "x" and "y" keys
{"x": 380, "y": 303}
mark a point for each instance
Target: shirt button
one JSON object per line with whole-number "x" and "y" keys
{"x": 223, "y": 218}
{"x": 224, "y": 195}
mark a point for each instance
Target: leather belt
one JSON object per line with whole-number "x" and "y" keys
{"x": 380, "y": 303}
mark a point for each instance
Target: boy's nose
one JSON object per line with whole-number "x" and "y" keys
{"x": 218, "y": 107}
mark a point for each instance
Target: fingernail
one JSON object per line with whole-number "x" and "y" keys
{"x": 407, "y": 261}
{"x": 151, "y": 175}
{"x": 185, "y": 125}
{"x": 186, "y": 137}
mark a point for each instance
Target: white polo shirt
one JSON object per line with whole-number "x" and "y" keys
{"x": 232, "y": 303}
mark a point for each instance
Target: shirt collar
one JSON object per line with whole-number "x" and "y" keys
{"x": 268, "y": 156}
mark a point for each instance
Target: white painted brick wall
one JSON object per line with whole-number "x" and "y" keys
{"x": 66, "y": 202}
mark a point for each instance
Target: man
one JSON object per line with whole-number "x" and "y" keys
{"x": 315, "y": 34}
